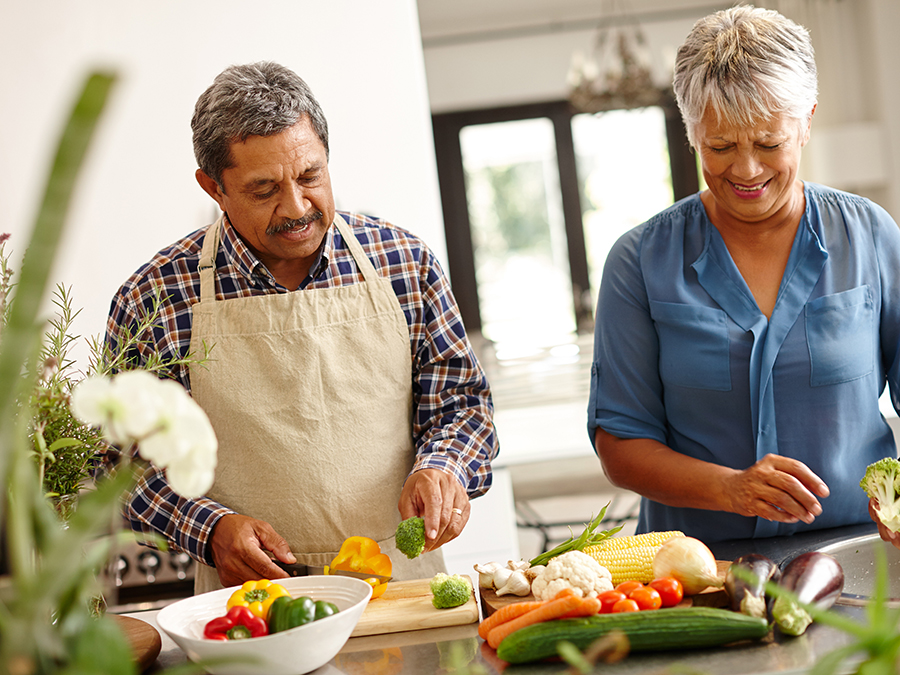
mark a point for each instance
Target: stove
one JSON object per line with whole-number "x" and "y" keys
{"x": 141, "y": 578}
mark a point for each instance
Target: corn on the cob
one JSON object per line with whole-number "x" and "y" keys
{"x": 630, "y": 558}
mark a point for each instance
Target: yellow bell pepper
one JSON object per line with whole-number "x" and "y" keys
{"x": 257, "y": 596}
{"x": 361, "y": 554}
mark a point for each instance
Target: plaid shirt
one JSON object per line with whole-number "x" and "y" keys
{"x": 452, "y": 409}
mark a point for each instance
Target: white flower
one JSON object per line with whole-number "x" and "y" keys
{"x": 92, "y": 401}
{"x": 171, "y": 430}
{"x": 141, "y": 396}
{"x": 125, "y": 407}
{"x": 185, "y": 443}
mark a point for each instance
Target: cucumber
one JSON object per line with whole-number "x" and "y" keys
{"x": 676, "y": 628}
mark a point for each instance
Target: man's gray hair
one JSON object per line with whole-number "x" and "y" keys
{"x": 257, "y": 99}
{"x": 747, "y": 64}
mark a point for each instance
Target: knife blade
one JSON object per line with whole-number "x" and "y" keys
{"x": 303, "y": 570}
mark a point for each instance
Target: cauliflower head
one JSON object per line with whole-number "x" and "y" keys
{"x": 575, "y": 570}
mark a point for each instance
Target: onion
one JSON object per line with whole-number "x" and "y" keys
{"x": 688, "y": 560}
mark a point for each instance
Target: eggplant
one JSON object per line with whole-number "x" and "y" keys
{"x": 816, "y": 579}
{"x": 749, "y": 596}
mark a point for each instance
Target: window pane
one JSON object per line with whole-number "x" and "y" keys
{"x": 625, "y": 176}
{"x": 515, "y": 209}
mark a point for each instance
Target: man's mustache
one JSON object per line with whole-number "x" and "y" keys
{"x": 291, "y": 224}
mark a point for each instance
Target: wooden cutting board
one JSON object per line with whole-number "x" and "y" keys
{"x": 144, "y": 639}
{"x": 711, "y": 597}
{"x": 406, "y": 605}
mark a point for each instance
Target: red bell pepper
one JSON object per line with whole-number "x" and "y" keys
{"x": 239, "y": 624}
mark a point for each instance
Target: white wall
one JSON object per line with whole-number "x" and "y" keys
{"x": 363, "y": 61}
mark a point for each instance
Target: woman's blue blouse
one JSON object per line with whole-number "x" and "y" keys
{"x": 684, "y": 356}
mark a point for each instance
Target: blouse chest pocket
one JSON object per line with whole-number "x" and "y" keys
{"x": 693, "y": 345}
{"x": 840, "y": 333}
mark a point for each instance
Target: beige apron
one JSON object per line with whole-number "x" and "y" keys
{"x": 310, "y": 395}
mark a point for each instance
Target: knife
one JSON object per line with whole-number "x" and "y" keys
{"x": 302, "y": 570}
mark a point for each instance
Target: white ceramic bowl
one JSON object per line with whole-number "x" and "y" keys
{"x": 291, "y": 652}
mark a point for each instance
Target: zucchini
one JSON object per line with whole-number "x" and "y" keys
{"x": 676, "y": 628}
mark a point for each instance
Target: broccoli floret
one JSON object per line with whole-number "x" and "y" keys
{"x": 410, "y": 537}
{"x": 449, "y": 590}
{"x": 882, "y": 482}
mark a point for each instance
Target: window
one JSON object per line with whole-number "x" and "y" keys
{"x": 518, "y": 230}
{"x": 625, "y": 177}
{"x": 534, "y": 196}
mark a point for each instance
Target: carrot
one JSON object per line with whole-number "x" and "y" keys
{"x": 588, "y": 607}
{"x": 513, "y": 611}
{"x": 564, "y": 593}
{"x": 505, "y": 614}
{"x": 552, "y": 609}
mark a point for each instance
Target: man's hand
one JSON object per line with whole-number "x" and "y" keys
{"x": 440, "y": 499}
{"x": 777, "y": 488}
{"x": 883, "y": 532}
{"x": 239, "y": 546}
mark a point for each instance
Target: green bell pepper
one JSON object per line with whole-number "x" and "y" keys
{"x": 324, "y": 608}
{"x": 285, "y": 612}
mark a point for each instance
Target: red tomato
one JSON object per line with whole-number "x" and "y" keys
{"x": 608, "y": 599}
{"x": 626, "y": 605}
{"x": 627, "y": 587}
{"x": 669, "y": 589}
{"x": 646, "y": 598}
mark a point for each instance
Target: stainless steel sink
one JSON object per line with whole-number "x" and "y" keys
{"x": 857, "y": 558}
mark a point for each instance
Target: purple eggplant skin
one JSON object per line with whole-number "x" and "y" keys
{"x": 749, "y": 597}
{"x": 816, "y": 579}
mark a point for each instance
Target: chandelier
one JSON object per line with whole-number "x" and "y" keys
{"x": 616, "y": 73}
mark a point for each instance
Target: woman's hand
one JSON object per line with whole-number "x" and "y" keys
{"x": 883, "y": 532}
{"x": 778, "y": 488}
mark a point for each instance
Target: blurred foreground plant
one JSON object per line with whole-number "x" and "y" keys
{"x": 877, "y": 640}
{"x": 875, "y": 649}
{"x": 46, "y": 622}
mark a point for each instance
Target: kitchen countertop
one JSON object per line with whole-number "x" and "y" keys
{"x": 426, "y": 651}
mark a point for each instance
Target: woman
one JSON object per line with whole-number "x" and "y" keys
{"x": 745, "y": 334}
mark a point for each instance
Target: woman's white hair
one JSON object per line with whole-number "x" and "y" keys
{"x": 746, "y": 64}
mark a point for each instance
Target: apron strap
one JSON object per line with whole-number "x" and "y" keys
{"x": 362, "y": 260}
{"x": 207, "y": 264}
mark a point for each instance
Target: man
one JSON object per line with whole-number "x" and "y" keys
{"x": 340, "y": 376}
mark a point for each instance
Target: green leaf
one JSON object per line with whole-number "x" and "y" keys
{"x": 573, "y": 656}
{"x": 829, "y": 663}
{"x": 100, "y": 648}
{"x": 877, "y": 608}
{"x": 61, "y": 443}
